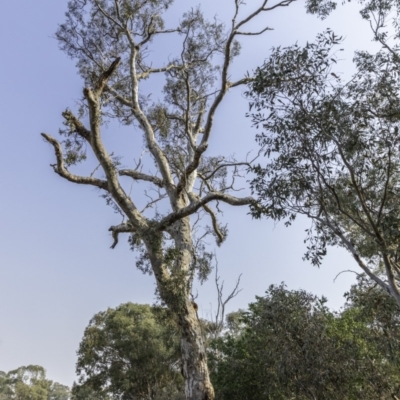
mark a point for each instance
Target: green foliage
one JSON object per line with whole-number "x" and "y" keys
{"x": 30, "y": 383}
{"x": 128, "y": 352}
{"x": 332, "y": 149}
{"x": 290, "y": 346}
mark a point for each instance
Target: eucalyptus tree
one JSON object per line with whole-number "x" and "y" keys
{"x": 289, "y": 345}
{"x": 332, "y": 148}
{"x": 111, "y": 41}
{"x": 129, "y": 352}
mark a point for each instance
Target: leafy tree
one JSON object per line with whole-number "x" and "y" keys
{"x": 57, "y": 391}
{"x": 290, "y": 346}
{"x": 130, "y": 352}
{"x": 110, "y": 40}
{"x": 30, "y": 383}
{"x": 84, "y": 392}
{"x": 372, "y": 306}
{"x": 333, "y": 147}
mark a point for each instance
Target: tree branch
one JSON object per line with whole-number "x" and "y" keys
{"x": 117, "y": 96}
{"x": 224, "y": 87}
{"x": 255, "y": 33}
{"x": 105, "y": 76}
{"x": 139, "y": 176}
{"x": 220, "y": 235}
{"x": 74, "y": 122}
{"x": 117, "y": 229}
{"x": 243, "y": 81}
{"x": 145, "y": 74}
{"x": 346, "y": 242}
{"x": 145, "y": 124}
{"x": 193, "y": 207}
{"x": 60, "y": 169}
{"x": 115, "y": 188}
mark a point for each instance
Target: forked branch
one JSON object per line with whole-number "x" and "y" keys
{"x": 61, "y": 170}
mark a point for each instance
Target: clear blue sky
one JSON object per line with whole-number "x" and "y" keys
{"x": 57, "y": 269}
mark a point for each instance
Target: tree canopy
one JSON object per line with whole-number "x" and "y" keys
{"x": 30, "y": 383}
{"x": 111, "y": 41}
{"x": 129, "y": 352}
{"x": 332, "y": 147}
{"x": 290, "y": 345}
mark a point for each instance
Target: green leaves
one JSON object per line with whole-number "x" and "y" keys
{"x": 129, "y": 351}
{"x": 290, "y": 345}
{"x": 332, "y": 151}
{"x": 30, "y": 383}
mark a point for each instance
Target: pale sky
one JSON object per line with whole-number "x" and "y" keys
{"x": 57, "y": 269}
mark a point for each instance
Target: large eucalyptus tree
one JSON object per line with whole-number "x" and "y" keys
{"x": 333, "y": 147}
{"x": 111, "y": 39}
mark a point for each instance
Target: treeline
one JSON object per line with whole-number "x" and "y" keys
{"x": 287, "y": 345}
{"x": 30, "y": 383}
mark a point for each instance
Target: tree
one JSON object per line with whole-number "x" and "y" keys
{"x": 333, "y": 147}
{"x": 57, "y": 391}
{"x": 371, "y": 305}
{"x": 110, "y": 39}
{"x": 130, "y": 352}
{"x": 30, "y": 383}
{"x": 288, "y": 345}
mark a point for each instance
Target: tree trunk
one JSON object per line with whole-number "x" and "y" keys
{"x": 194, "y": 360}
{"x": 174, "y": 290}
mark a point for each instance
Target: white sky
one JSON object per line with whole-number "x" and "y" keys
{"x": 57, "y": 269}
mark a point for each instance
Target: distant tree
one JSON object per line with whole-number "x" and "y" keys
{"x": 30, "y": 383}
{"x": 130, "y": 352}
{"x": 288, "y": 345}
{"x": 333, "y": 147}
{"x": 57, "y": 391}
{"x": 111, "y": 41}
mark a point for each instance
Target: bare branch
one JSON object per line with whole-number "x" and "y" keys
{"x": 145, "y": 74}
{"x": 220, "y": 314}
{"x": 117, "y": 229}
{"x": 284, "y": 3}
{"x": 152, "y": 201}
{"x": 60, "y": 169}
{"x": 243, "y": 81}
{"x": 139, "y": 176}
{"x": 252, "y": 15}
{"x": 255, "y": 33}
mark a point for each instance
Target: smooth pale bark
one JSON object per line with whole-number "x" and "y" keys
{"x": 174, "y": 278}
{"x": 194, "y": 360}
{"x": 175, "y": 292}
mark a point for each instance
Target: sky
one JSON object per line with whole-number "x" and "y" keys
{"x": 56, "y": 266}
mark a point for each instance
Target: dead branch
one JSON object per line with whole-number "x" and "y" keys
{"x": 117, "y": 229}
{"x": 221, "y": 307}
